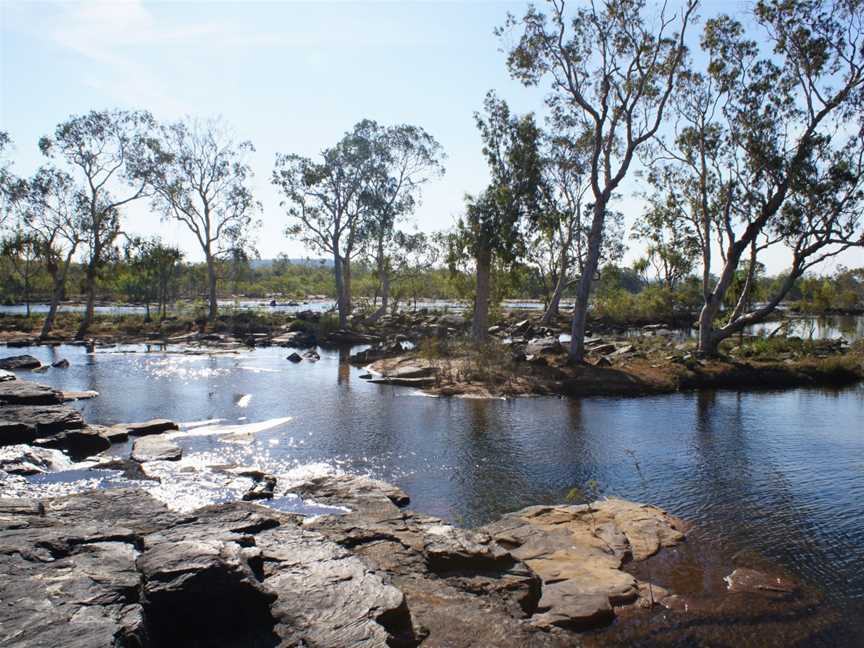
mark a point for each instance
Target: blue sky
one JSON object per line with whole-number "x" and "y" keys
{"x": 289, "y": 76}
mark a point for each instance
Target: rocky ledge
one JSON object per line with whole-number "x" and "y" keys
{"x": 119, "y": 568}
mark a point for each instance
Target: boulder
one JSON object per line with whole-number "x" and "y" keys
{"x": 153, "y": 426}
{"x": 6, "y": 375}
{"x": 155, "y": 448}
{"x": 63, "y": 363}
{"x": 295, "y": 358}
{"x": 23, "y": 392}
{"x": 12, "y": 363}
{"x": 312, "y": 355}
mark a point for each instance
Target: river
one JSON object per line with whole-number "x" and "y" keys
{"x": 778, "y": 473}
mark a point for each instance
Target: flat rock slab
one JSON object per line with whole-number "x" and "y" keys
{"x": 23, "y": 392}
{"x": 155, "y": 448}
{"x": 13, "y": 363}
{"x": 750, "y": 580}
{"x": 154, "y": 426}
{"x": 79, "y": 395}
{"x": 45, "y": 420}
{"x": 578, "y": 552}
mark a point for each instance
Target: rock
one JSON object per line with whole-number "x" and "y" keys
{"x": 295, "y": 358}
{"x": 297, "y": 339}
{"x": 115, "y": 434}
{"x": 15, "y": 432}
{"x": 29, "y": 460}
{"x": 23, "y": 392}
{"x": 262, "y": 489}
{"x": 312, "y": 355}
{"x": 544, "y": 346}
{"x": 155, "y": 448}
{"x": 6, "y": 375}
{"x": 61, "y": 364}
{"x": 79, "y": 395}
{"x": 744, "y": 579}
{"x": 578, "y": 552}
{"x": 154, "y": 426}
{"x": 603, "y": 349}
{"x": 13, "y": 363}
{"x": 80, "y": 443}
{"x": 603, "y": 361}
{"x": 118, "y": 568}
{"x": 45, "y": 419}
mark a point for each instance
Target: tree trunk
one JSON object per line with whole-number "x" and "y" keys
{"x": 480, "y": 324}
{"x": 346, "y": 286}
{"x": 554, "y": 303}
{"x": 583, "y": 290}
{"x": 213, "y": 311}
{"x": 708, "y": 342}
{"x": 56, "y": 296}
{"x": 90, "y": 289}
{"x": 147, "y": 311}
{"x": 384, "y": 278}
{"x": 340, "y": 291}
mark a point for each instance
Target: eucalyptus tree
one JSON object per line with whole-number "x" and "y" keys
{"x": 407, "y": 158}
{"x": 495, "y": 221}
{"x": 21, "y": 250}
{"x": 672, "y": 241}
{"x": 330, "y": 201}
{"x": 154, "y": 270}
{"x": 55, "y": 213}
{"x": 768, "y": 152}
{"x": 611, "y": 71}
{"x": 108, "y": 152}
{"x": 11, "y": 186}
{"x": 201, "y": 178}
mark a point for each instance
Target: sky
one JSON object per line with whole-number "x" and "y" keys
{"x": 291, "y": 77}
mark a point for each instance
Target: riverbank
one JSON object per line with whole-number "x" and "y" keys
{"x": 631, "y": 367}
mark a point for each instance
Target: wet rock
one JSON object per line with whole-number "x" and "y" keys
{"x": 378, "y": 352}
{"x": 29, "y": 460}
{"x": 154, "y": 426}
{"x": 63, "y": 363}
{"x": 344, "y": 336}
{"x": 744, "y": 579}
{"x": 295, "y": 358}
{"x": 6, "y": 375}
{"x": 312, "y": 355}
{"x": 155, "y": 448}
{"x": 13, "y": 363}
{"x": 79, "y": 443}
{"x": 578, "y": 552}
{"x": 262, "y": 488}
{"x": 45, "y": 419}
{"x": 23, "y": 392}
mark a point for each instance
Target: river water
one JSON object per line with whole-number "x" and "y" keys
{"x": 778, "y": 473}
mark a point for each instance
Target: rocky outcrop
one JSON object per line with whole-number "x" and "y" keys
{"x": 14, "y": 363}
{"x": 578, "y": 551}
{"x": 119, "y": 568}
